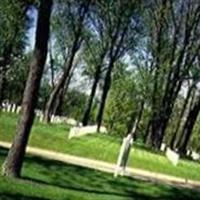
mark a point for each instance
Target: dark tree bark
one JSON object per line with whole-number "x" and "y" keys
{"x": 97, "y": 75}
{"x": 174, "y": 135}
{"x": 139, "y": 117}
{"x": 131, "y": 122}
{"x": 106, "y": 87}
{"x": 51, "y": 64}
{"x": 147, "y": 135}
{"x": 180, "y": 61}
{"x": 135, "y": 116}
{"x": 91, "y": 97}
{"x": 61, "y": 83}
{"x": 57, "y": 109}
{"x": 188, "y": 127}
{"x": 14, "y": 161}
{"x": 114, "y": 54}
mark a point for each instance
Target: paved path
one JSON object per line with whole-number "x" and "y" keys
{"x": 110, "y": 168}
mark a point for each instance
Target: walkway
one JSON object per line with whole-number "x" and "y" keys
{"x": 108, "y": 167}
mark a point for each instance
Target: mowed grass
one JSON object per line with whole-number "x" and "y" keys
{"x": 98, "y": 146}
{"x": 44, "y": 179}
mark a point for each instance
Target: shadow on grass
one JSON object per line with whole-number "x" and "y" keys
{"x": 80, "y": 179}
{"x": 7, "y": 196}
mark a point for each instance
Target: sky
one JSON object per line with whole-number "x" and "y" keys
{"x": 31, "y": 32}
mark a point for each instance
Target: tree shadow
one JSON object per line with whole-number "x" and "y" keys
{"x": 7, "y": 196}
{"x": 85, "y": 180}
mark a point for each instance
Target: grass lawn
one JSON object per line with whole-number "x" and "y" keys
{"x": 44, "y": 179}
{"x": 98, "y": 146}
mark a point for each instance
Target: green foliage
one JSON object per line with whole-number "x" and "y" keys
{"x": 121, "y": 103}
{"x": 127, "y": 92}
{"x": 14, "y": 22}
{"x": 74, "y": 104}
{"x": 17, "y": 75}
{"x": 44, "y": 92}
{"x": 194, "y": 143}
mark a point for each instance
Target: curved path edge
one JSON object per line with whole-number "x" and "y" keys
{"x": 110, "y": 168}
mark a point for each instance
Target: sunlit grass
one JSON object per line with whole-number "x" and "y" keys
{"x": 99, "y": 146}
{"x": 44, "y": 179}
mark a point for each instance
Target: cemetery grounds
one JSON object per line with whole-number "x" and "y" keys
{"x": 48, "y": 179}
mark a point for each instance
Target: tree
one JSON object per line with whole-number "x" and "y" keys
{"x": 124, "y": 104}
{"x": 174, "y": 53}
{"x": 121, "y": 26}
{"x": 13, "y": 163}
{"x": 183, "y": 110}
{"x": 16, "y": 78}
{"x": 95, "y": 66}
{"x": 188, "y": 126}
{"x": 77, "y": 14}
{"x": 15, "y": 22}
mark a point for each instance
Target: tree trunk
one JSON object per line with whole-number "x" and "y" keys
{"x": 13, "y": 163}
{"x": 139, "y": 117}
{"x": 97, "y": 75}
{"x": 188, "y": 127}
{"x": 135, "y": 117}
{"x": 2, "y": 84}
{"x": 174, "y": 135}
{"x": 61, "y": 97}
{"x": 164, "y": 113}
{"x": 131, "y": 123}
{"x": 51, "y": 64}
{"x": 106, "y": 87}
{"x": 68, "y": 63}
{"x": 147, "y": 135}
{"x": 58, "y": 92}
{"x": 55, "y": 93}
{"x": 92, "y": 95}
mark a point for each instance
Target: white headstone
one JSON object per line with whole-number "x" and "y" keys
{"x": 13, "y": 108}
{"x": 85, "y": 130}
{"x": 163, "y": 147}
{"x": 41, "y": 117}
{"x": 71, "y": 121}
{"x": 18, "y": 109}
{"x": 195, "y": 155}
{"x": 172, "y": 156}
{"x": 4, "y": 107}
{"x": 52, "y": 118}
{"x": 188, "y": 153}
{"x": 9, "y": 107}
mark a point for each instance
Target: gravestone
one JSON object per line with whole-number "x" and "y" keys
{"x": 9, "y": 108}
{"x": 163, "y": 147}
{"x": 18, "y": 109}
{"x": 172, "y": 156}
{"x": 52, "y": 118}
{"x": 14, "y": 107}
{"x": 4, "y": 107}
{"x": 188, "y": 153}
{"x": 41, "y": 117}
{"x": 85, "y": 130}
{"x": 123, "y": 155}
{"x": 195, "y": 155}
{"x": 71, "y": 121}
